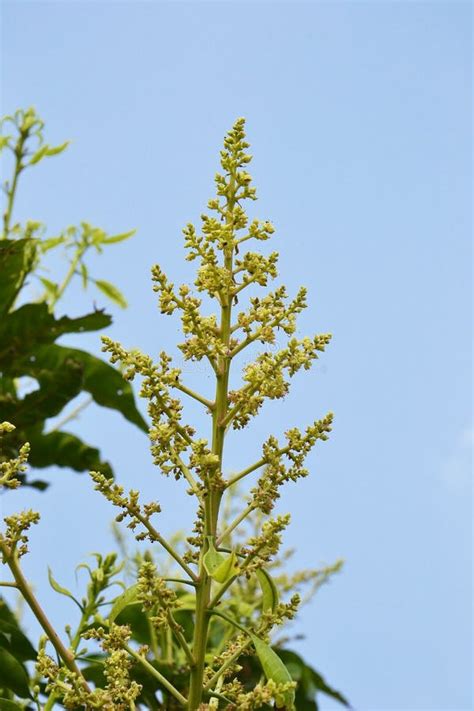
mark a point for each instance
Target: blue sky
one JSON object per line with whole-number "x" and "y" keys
{"x": 359, "y": 117}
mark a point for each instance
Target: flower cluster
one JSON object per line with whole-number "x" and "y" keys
{"x": 276, "y": 472}
{"x": 131, "y": 508}
{"x": 12, "y": 468}
{"x": 265, "y": 377}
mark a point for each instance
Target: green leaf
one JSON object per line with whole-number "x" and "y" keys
{"x": 112, "y": 292}
{"x": 32, "y": 325}
{"x": 56, "y": 150}
{"x": 270, "y": 596}
{"x": 56, "y": 390}
{"x": 84, "y": 275}
{"x": 46, "y": 244}
{"x": 309, "y": 680}
{"x": 17, "y": 643}
{"x": 8, "y": 705}
{"x": 59, "y": 588}
{"x": 118, "y": 238}
{"x": 219, "y": 566}
{"x": 106, "y": 385}
{"x": 226, "y": 569}
{"x": 63, "y": 449}
{"x": 128, "y": 597}
{"x": 50, "y": 286}
{"x": 17, "y": 258}
{"x": 40, "y": 153}
{"x": 13, "y": 675}
{"x": 212, "y": 559}
{"x": 274, "y": 669}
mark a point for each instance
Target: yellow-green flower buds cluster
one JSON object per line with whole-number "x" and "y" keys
{"x": 155, "y": 595}
{"x": 260, "y": 549}
{"x": 266, "y": 492}
{"x": 120, "y": 692}
{"x": 15, "y": 538}
{"x": 131, "y": 508}
{"x": 269, "y": 314}
{"x": 262, "y": 696}
{"x": 265, "y": 377}
{"x": 12, "y": 468}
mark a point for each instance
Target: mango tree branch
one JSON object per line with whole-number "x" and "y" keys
{"x": 238, "y": 520}
{"x": 253, "y": 467}
{"x": 22, "y": 584}
{"x": 196, "y": 396}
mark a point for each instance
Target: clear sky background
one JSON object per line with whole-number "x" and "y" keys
{"x": 359, "y": 118}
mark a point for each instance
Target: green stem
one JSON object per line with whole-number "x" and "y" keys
{"x": 232, "y": 526}
{"x": 253, "y": 467}
{"x": 65, "y": 654}
{"x": 213, "y": 498}
{"x": 154, "y": 672}
{"x": 18, "y": 151}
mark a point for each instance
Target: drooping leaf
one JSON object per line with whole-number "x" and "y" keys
{"x": 128, "y": 597}
{"x": 16, "y": 641}
{"x": 33, "y": 324}
{"x": 8, "y": 705}
{"x": 13, "y": 675}
{"x": 60, "y": 589}
{"x": 106, "y": 385}
{"x": 275, "y": 670}
{"x": 112, "y": 292}
{"x": 55, "y": 391}
{"x": 269, "y": 590}
{"x": 63, "y": 449}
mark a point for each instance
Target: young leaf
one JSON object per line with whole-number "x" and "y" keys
{"x": 50, "y": 287}
{"x": 84, "y": 275}
{"x": 212, "y": 559}
{"x": 111, "y": 291}
{"x": 40, "y": 153}
{"x": 59, "y": 589}
{"x": 274, "y": 670}
{"x": 128, "y": 597}
{"x": 56, "y": 150}
{"x": 118, "y": 238}
{"x": 226, "y": 569}
{"x": 220, "y": 567}
{"x": 269, "y": 589}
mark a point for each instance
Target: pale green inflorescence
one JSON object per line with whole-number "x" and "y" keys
{"x": 213, "y": 566}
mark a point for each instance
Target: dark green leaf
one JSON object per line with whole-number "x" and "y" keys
{"x": 8, "y": 705}
{"x": 17, "y": 643}
{"x": 13, "y": 674}
{"x": 56, "y": 390}
{"x": 16, "y": 260}
{"x": 104, "y": 383}
{"x": 63, "y": 449}
{"x": 32, "y": 325}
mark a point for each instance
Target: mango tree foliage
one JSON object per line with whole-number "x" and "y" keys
{"x": 29, "y": 327}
